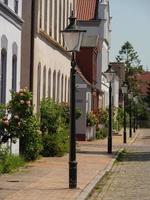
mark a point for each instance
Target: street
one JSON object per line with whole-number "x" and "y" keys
{"x": 129, "y": 179}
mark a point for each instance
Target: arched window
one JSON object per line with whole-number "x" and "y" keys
{"x": 45, "y": 16}
{"x": 38, "y": 87}
{"x": 62, "y": 88}
{"x": 60, "y": 19}
{"x": 44, "y": 82}
{"x": 68, "y": 90}
{"x": 50, "y": 17}
{"x": 49, "y": 83}
{"x": 16, "y": 6}
{"x": 54, "y": 85}
{"x": 14, "y": 72}
{"x": 40, "y": 13}
{"x": 65, "y": 88}
{"x": 58, "y": 86}
{"x": 55, "y": 20}
{"x": 6, "y": 2}
{"x": 3, "y": 76}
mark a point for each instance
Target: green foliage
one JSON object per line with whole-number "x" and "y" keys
{"x": 130, "y": 57}
{"x": 22, "y": 124}
{"x": 9, "y": 162}
{"x": 91, "y": 119}
{"x": 66, "y": 113}
{"x": 119, "y": 118}
{"x": 102, "y": 116}
{"x": 101, "y": 133}
{"x": 55, "y": 144}
{"x": 121, "y": 156}
{"x": 31, "y": 139}
{"x": 54, "y": 123}
{"x": 50, "y": 116}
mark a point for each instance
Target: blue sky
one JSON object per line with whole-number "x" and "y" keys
{"x": 131, "y": 22}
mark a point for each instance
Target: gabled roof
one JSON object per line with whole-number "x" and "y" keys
{"x": 86, "y": 9}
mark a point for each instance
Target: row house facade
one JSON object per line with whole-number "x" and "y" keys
{"x": 94, "y": 16}
{"x": 50, "y": 63}
{"x": 10, "y": 44}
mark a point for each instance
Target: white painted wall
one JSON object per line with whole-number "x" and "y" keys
{"x": 53, "y": 59}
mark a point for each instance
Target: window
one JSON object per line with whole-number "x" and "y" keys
{"x": 54, "y": 85}
{"x": 14, "y": 73}
{"x": 62, "y": 88}
{"x": 44, "y": 82}
{"x": 60, "y": 7}
{"x": 38, "y": 87}
{"x": 50, "y": 17}
{"x": 65, "y": 89}
{"x": 49, "y": 83}
{"x": 6, "y": 2}
{"x": 55, "y": 23}
{"x": 58, "y": 86}
{"x": 16, "y": 6}
{"x": 45, "y": 16}
{"x": 3, "y": 76}
{"x": 40, "y": 13}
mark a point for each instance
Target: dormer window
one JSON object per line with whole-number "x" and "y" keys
{"x": 16, "y": 6}
{"x": 6, "y": 2}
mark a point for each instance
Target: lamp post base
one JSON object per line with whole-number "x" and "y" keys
{"x": 72, "y": 174}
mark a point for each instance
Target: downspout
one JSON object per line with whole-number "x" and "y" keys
{"x": 32, "y": 44}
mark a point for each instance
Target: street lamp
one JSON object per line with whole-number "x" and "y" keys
{"x": 124, "y": 92}
{"x": 134, "y": 114}
{"x": 72, "y": 37}
{"x": 130, "y": 96}
{"x": 110, "y": 74}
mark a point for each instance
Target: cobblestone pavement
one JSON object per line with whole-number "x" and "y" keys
{"x": 129, "y": 179}
{"x": 47, "y": 178}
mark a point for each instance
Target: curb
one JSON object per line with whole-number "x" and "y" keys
{"x": 88, "y": 189}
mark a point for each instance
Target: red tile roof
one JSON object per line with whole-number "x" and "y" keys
{"x": 143, "y": 80}
{"x": 86, "y": 9}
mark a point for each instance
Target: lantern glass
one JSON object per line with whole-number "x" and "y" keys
{"x": 124, "y": 89}
{"x": 72, "y": 40}
{"x": 110, "y": 74}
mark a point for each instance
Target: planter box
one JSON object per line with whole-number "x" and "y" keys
{"x": 90, "y": 132}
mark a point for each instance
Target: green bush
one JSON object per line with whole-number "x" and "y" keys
{"x": 55, "y": 144}
{"x": 101, "y": 133}
{"x": 23, "y": 124}
{"x": 54, "y": 118}
{"x": 50, "y": 116}
{"x": 31, "y": 141}
{"x": 9, "y": 162}
{"x": 91, "y": 119}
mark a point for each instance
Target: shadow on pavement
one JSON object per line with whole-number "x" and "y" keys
{"x": 137, "y": 156}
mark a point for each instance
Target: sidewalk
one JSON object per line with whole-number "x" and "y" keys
{"x": 47, "y": 178}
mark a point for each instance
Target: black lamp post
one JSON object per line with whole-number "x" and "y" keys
{"x": 124, "y": 92}
{"x": 72, "y": 36}
{"x": 130, "y": 96}
{"x": 134, "y": 113}
{"x": 110, "y": 73}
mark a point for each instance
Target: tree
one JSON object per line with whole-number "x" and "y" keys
{"x": 130, "y": 57}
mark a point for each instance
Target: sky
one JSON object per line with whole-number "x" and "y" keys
{"x": 131, "y": 22}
